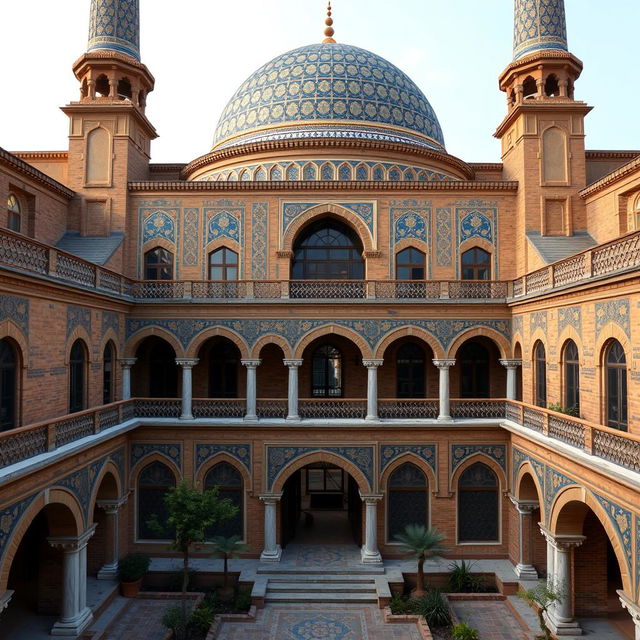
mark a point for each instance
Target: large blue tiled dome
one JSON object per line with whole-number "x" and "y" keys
{"x": 329, "y": 90}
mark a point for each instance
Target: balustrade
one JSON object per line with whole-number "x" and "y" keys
{"x": 74, "y": 270}
{"x": 407, "y": 289}
{"x": 570, "y": 270}
{"x": 534, "y": 419}
{"x": 617, "y": 448}
{"x": 477, "y": 409}
{"x": 150, "y": 289}
{"x": 272, "y": 408}
{"x": 73, "y": 428}
{"x": 158, "y": 407}
{"x": 332, "y": 408}
{"x": 567, "y": 430}
{"x": 218, "y": 407}
{"x": 327, "y": 289}
{"x": 470, "y": 289}
{"x": 402, "y": 409}
{"x": 538, "y": 281}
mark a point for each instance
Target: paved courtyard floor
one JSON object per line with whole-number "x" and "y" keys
{"x": 493, "y": 619}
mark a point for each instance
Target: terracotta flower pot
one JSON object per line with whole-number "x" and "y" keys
{"x": 130, "y": 589}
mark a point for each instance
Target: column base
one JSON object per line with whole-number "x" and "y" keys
{"x": 73, "y": 627}
{"x": 525, "y": 572}
{"x": 186, "y": 417}
{"x": 559, "y": 628}
{"x": 444, "y": 418}
{"x": 293, "y": 418}
{"x": 370, "y": 557}
{"x": 250, "y": 419}
{"x": 372, "y": 418}
{"x": 108, "y": 572}
{"x": 271, "y": 556}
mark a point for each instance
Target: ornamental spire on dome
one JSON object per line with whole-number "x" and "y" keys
{"x": 114, "y": 25}
{"x": 539, "y": 25}
{"x": 329, "y": 31}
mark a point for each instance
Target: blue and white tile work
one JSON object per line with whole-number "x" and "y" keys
{"x": 444, "y": 234}
{"x": 190, "y": 236}
{"x": 15, "y": 309}
{"x": 160, "y": 224}
{"x": 241, "y": 452}
{"x": 477, "y": 220}
{"x": 622, "y": 521}
{"x": 78, "y": 317}
{"x": 462, "y": 452}
{"x": 170, "y": 450}
{"x": 366, "y": 211}
{"x": 114, "y": 25}
{"x": 335, "y": 90}
{"x": 391, "y": 452}
{"x": 222, "y": 224}
{"x": 570, "y": 317}
{"x": 410, "y": 220}
{"x": 616, "y": 311}
{"x": 539, "y": 25}
{"x": 259, "y": 241}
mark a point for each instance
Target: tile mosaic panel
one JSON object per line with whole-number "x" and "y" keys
{"x": 78, "y": 317}
{"x": 9, "y": 517}
{"x": 444, "y": 233}
{"x": 241, "y": 452}
{"x": 190, "y": 237}
{"x": 554, "y": 483}
{"x": 539, "y": 25}
{"x": 570, "y": 317}
{"x": 259, "y": 240}
{"x": 15, "y": 309}
{"x": 389, "y": 452}
{"x": 110, "y": 320}
{"x": 140, "y": 450}
{"x": 364, "y": 210}
{"x": 460, "y": 453}
{"x": 115, "y": 25}
{"x": 616, "y": 311}
{"x": 622, "y": 520}
{"x": 160, "y": 224}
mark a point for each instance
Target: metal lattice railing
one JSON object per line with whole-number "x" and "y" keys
{"x": 401, "y": 409}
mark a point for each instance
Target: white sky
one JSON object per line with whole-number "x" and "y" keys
{"x": 200, "y": 51}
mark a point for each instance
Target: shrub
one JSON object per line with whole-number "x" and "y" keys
{"x": 243, "y": 601}
{"x": 401, "y": 605}
{"x": 558, "y": 408}
{"x": 200, "y": 620}
{"x": 433, "y": 607}
{"x": 461, "y": 580}
{"x": 133, "y": 567}
{"x": 463, "y": 631}
{"x": 174, "y": 620}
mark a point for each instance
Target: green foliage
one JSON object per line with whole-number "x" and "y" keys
{"x": 433, "y": 607}
{"x": 174, "y": 619}
{"x": 402, "y": 605}
{"x": 227, "y": 547}
{"x": 243, "y": 601}
{"x": 463, "y": 631}
{"x": 421, "y": 543}
{"x": 558, "y": 408}
{"x": 133, "y": 567}
{"x": 542, "y": 596}
{"x": 189, "y": 626}
{"x": 200, "y": 620}
{"x": 461, "y": 580}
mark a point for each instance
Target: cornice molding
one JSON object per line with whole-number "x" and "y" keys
{"x": 42, "y": 155}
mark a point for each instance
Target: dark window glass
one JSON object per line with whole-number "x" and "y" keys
{"x": 13, "y": 213}
{"x": 410, "y": 371}
{"x": 328, "y": 250}
{"x": 223, "y": 264}
{"x": 478, "y": 509}
{"x": 158, "y": 264}
{"x": 408, "y": 501}
{"x": 77, "y": 374}
{"x": 572, "y": 376}
{"x": 8, "y": 385}
{"x": 223, "y": 371}
{"x": 476, "y": 264}
{"x": 410, "y": 264}
{"x": 540, "y": 364}
{"x": 153, "y": 483}
{"x": 108, "y": 360}
{"x": 474, "y": 371}
{"x": 616, "y": 383}
{"x": 163, "y": 379}
{"x": 326, "y": 373}
{"x": 229, "y": 481}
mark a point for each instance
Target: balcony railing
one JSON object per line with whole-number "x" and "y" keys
{"x": 618, "y": 447}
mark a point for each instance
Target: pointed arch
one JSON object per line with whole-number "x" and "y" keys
{"x": 479, "y": 456}
{"x": 9, "y": 329}
{"x": 526, "y": 469}
{"x": 146, "y": 460}
{"x": 78, "y": 333}
{"x": 108, "y": 468}
{"x": 414, "y": 459}
{"x": 328, "y": 329}
{"x": 211, "y": 332}
{"x": 222, "y": 456}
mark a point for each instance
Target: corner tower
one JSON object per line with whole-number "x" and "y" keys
{"x": 543, "y": 134}
{"x": 109, "y": 136}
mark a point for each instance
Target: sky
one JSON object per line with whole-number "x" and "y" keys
{"x": 200, "y": 51}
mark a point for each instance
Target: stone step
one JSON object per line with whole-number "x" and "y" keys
{"x": 320, "y": 587}
{"x": 321, "y": 579}
{"x": 340, "y": 598}
{"x": 343, "y": 571}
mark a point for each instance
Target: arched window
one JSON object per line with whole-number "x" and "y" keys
{"x": 103, "y": 87}
{"x": 551, "y": 87}
{"x": 8, "y": 385}
{"x": 408, "y": 499}
{"x": 529, "y": 89}
{"x": 474, "y": 370}
{"x": 158, "y": 264}
{"x": 108, "y": 363}
{"x": 540, "y": 374}
{"x": 636, "y": 213}
{"x": 223, "y": 371}
{"x": 410, "y": 264}
{"x": 14, "y": 212}
{"x": 616, "y": 386}
{"x": 163, "y": 379}
{"x": 229, "y": 481}
{"x": 124, "y": 88}
{"x": 476, "y": 264}
{"x": 571, "y": 361}
{"x": 223, "y": 264}
{"x": 478, "y": 507}
{"x": 77, "y": 376}
{"x": 410, "y": 371}
{"x": 328, "y": 250}
{"x": 153, "y": 483}
{"x": 326, "y": 372}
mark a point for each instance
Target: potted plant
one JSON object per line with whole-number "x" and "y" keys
{"x": 131, "y": 570}
{"x": 227, "y": 548}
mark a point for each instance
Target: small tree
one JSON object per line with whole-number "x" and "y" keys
{"x": 227, "y": 548}
{"x": 542, "y": 596}
{"x": 189, "y": 514}
{"x": 421, "y": 543}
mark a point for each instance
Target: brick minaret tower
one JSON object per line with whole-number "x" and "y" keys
{"x": 110, "y": 136}
{"x": 543, "y": 132}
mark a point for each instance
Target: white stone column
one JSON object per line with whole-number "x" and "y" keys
{"x": 369, "y": 552}
{"x": 372, "y": 387}
{"x": 109, "y": 570}
{"x": 251, "y": 365}
{"x": 76, "y": 616}
{"x": 634, "y": 610}
{"x": 512, "y": 376}
{"x": 272, "y": 551}
{"x": 444, "y": 412}
{"x": 525, "y": 569}
{"x": 127, "y": 363}
{"x": 560, "y": 618}
{"x": 187, "y": 365}
{"x": 293, "y": 365}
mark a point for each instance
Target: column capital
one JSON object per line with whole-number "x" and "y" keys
{"x": 562, "y": 542}
{"x": 632, "y": 607}
{"x": 371, "y": 498}
{"x": 71, "y": 544}
{"x": 372, "y": 364}
{"x": 524, "y": 507}
{"x": 444, "y": 364}
{"x": 270, "y": 498}
{"x": 187, "y": 363}
{"x": 251, "y": 363}
{"x": 292, "y": 363}
{"x": 511, "y": 363}
{"x": 128, "y": 362}
{"x": 112, "y": 505}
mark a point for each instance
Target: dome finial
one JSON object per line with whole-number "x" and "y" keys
{"x": 329, "y": 31}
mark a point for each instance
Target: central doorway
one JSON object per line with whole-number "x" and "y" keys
{"x": 321, "y": 505}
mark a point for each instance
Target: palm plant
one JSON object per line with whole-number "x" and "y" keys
{"x": 421, "y": 543}
{"x": 227, "y": 548}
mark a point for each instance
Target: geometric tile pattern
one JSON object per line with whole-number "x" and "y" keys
{"x": 115, "y": 26}
{"x": 554, "y": 482}
{"x": 616, "y": 311}
{"x": 443, "y": 237}
{"x": 330, "y": 84}
{"x": 110, "y": 320}
{"x": 15, "y": 309}
{"x": 460, "y": 452}
{"x": 190, "y": 237}
{"x": 538, "y": 320}
{"x": 622, "y": 521}
{"x": 160, "y": 224}
{"x": 477, "y": 219}
{"x": 570, "y": 317}
{"x": 9, "y": 517}
{"x": 259, "y": 240}
{"x": 222, "y": 225}
{"x": 538, "y": 25}
{"x": 78, "y": 316}
{"x": 291, "y": 210}
{"x": 389, "y": 452}
{"x": 412, "y": 224}
{"x": 241, "y": 452}
{"x": 172, "y": 451}
{"x": 518, "y": 457}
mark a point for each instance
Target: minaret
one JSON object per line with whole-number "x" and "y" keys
{"x": 110, "y": 136}
{"x": 543, "y": 132}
